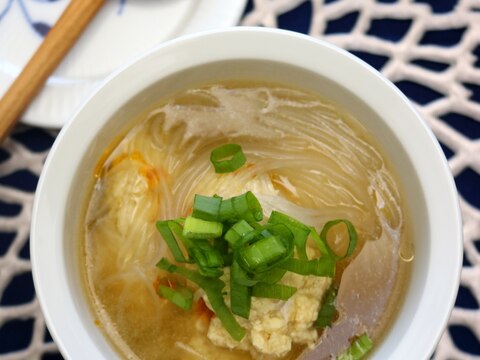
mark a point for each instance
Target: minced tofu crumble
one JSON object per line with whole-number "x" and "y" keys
{"x": 274, "y": 325}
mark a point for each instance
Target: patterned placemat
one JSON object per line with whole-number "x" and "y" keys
{"x": 429, "y": 48}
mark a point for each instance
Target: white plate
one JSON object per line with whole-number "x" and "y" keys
{"x": 122, "y": 30}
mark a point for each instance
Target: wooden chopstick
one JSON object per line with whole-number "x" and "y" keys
{"x": 50, "y": 53}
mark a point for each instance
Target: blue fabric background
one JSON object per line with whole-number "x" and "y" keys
{"x": 16, "y": 334}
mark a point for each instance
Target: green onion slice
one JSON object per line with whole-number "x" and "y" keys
{"x": 271, "y": 276}
{"x": 225, "y": 315}
{"x": 226, "y": 211}
{"x": 240, "y": 298}
{"x": 273, "y": 291}
{"x": 222, "y": 247}
{"x": 257, "y": 254}
{"x": 358, "y": 349}
{"x": 352, "y": 236}
{"x": 213, "y": 257}
{"x": 240, "y": 276}
{"x": 324, "y": 266}
{"x": 327, "y": 312}
{"x": 208, "y": 259}
{"x": 213, "y": 289}
{"x": 322, "y": 245}
{"x": 193, "y": 276}
{"x": 300, "y": 231}
{"x": 247, "y": 207}
{"x": 180, "y": 296}
{"x": 263, "y": 252}
{"x": 201, "y": 229}
{"x": 228, "y": 259}
{"x": 165, "y": 229}
{"x": 237, "y": 231}
{"x": 227, "y": 158}
{"x": 206, "y": 207}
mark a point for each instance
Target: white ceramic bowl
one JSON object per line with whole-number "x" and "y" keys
{"x": 269, "y": 55}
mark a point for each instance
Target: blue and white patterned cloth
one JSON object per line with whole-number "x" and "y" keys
{"x": 429, "y": 48}
{"x": 41, "y": 27}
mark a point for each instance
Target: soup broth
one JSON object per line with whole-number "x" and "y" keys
{"x": 305, "y": 157}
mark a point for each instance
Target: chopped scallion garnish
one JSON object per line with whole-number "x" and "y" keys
{"x": 262, "y": 253}
{"x": 275, "y": 245}
{"x": 247, "y": 207}
{"x": 180, "y": 296}
{"x": 206, "y": 207}
{"x": 322, "y": 245}
{"x": 208, "y": 259}
{"x": 222, "y": 246}
{"x": 272, "y": 276}
{"x": 201, "y": 229}
{"x": 227, "y": 158}
{"x": 227, "y": 212}
{"x": 358, "y": 349}
{"x": 300, "y": 231}
{"x": 273, "y": 291}
{"x": 227, "y": 232}
{"x": 177, "y": 228}
{"x": 240, "y": 276}
{"x": 164, "y": 227}
{"x": 324, "y": 266}
{"x": 224, "y": 314}
{"x": 213, "y": 289}
{"x": 327, "y": 312}
{"x": 352, "y": 236}
{"x": 240, "y": 298}
{"x": 237, "y": 231}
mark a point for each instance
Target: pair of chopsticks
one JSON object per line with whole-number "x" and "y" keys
{"x": 56, "y": 45}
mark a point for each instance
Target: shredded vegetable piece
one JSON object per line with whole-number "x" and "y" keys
{"x": 240, "y": 298}
{"x": 352, "y": 236}
{"x": 213, "y": 289}
{"x": 237, "y": 231}
{"x": 275, "y": 246}
{"x": 180, "y": 296}
{"x": 221, "y": 245}
{"x": 299, "y": 230}
{"x": 358, "y": 349}
{"x": 240, "y": 276}
{"x": 272, "y": 276}
{"x": 262, "y": 252}
{"x": 201, "y": 229}
{"x": 227, "y": 158}
{"x": 273, "y": 291}
{"x": 248, "y": 207}
{"x": 206, "y": 207}
{"x": 325, "y": 266}
{"x": 208, "y": 259}
{"x": 322, "y": 245}
{"x": 166, "y": 232}
{"x": 177, "y": 228}
{"x": 327, "y": 312}
{"x": 226, "y": 211}
{"x": 245, "y": 206}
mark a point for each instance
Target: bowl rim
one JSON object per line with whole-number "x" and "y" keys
{"x": 43, "y": 266}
